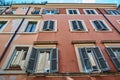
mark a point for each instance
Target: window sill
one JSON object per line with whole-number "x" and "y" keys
{"x": 79, "y": 31}
{"x": 107, "y": 31}
{"x": 12, "y": 71}
{"x": 47, "y": 31}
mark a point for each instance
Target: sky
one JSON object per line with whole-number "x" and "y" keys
{"x": 68, "y": 1}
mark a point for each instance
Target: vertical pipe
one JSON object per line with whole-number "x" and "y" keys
{"x": 109, "y": 21}
{"x": 12, "y": 37}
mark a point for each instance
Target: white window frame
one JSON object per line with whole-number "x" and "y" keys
{"x": 90, "y": 9}
{"x": 55, "y": 29}
{"x": 109, "y": 29}
{"x": 76, "y": 46}
{"x": 112, "y": 14}
{"x": 78, "y": 12}
{"x": 1, "y": 30}
{"x": 5, "y": 64}
{"x": 25, "y": 23}
{"x": 83, "y": 23}
{"x": 118, "y": 21}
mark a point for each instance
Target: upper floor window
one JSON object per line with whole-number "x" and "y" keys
{"x": 36, "y": 10}
{"x": 100, "y": 25}
{"x": 90, "y": 11}
{"x": 114, "y": 53}
{"x": 77, "y": 25}
{"x": 49, "y": 25}
{"x": 50, "y": 11}
{"x": 92, "y": 60}
{"x": 2, "y": 23}
{"x": 73, "y": 11}
{"x": 43, "y": 61}
{"x": 2, "y": 10}
{"x": 113, "y": 12}
{"x": 18, "y": 59}
{"x": 11, "y": 11}
{"x": 31, "y": 27}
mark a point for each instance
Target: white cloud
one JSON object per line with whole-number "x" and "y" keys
{"x": 88, "y": 1}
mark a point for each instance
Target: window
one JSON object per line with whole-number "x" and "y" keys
{"x": 100, "y": 25}
{"x": 36, "y": 11}
{"x": 18, "y": 59}
{"x": 114, "y": 53}
{"x": 92, "y": 60}
{"x": 43, "y": 61}
{"x": 2, "y": 23}
{"x": 90, "y": 11}
{"x": 2, "y": 10}
{"x": 31, "y": 27}
{"x": 11, "y": 11}
{"x": 113, "y": 12}
{"x": 50, "y": 11}
{"x": 77, "y": 25}
{"x": 72, "y": 11}
{"x": 48, "y": 25}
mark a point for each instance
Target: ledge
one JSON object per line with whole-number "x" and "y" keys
{"x": 83, "y": 41}
{"x": 45, "y": 42}
{"x": 110, "y": 41}
{"x": 75, "y": 74}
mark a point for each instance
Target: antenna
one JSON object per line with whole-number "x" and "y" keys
{"x": 44, "y": 2}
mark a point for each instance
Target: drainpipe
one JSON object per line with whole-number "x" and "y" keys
{"x": 109, "y": 21}
{"x": 12, "y": 37}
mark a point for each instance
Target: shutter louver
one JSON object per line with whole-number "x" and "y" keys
{"x": 43, "y": 11}
{"x": 97, "y": 25}
{"x": 108, "y": 12}
{"x": 85, "y": 60}
{"x": 45, "y": 25}
{"x": 74, "y": 25}
{"x": 80, "y": 25}
{"x": 54, "y": 60}
{"x": 113, "y": 58}
{"x": 32, "y": 61}
{"x": 101, "y": 60}
{"x": 103, "y": 26}
{"x": 51, "y": 25}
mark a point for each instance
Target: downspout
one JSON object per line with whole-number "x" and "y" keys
{"x": 12, "y": 37}
{"x": 109, "y": 21}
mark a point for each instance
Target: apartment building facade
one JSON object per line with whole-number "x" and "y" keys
{"x": 60, "y": 42}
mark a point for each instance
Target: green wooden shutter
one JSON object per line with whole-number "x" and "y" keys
{"x": 54, "y": 60}
{"x": 97, "y": 25}
{"x": 80, "y": 25}
{"x": 44, "y": 11}
{"x": 86, "y": 65}
{"x": 52, "y": 25}
{"x": 101, "y": 60}
{"x": 32, "y": 61}
{"x": 74, "y": 25}
{"x": 104, "y": 27}
{"x": 113, "y": 58}
{"x": 45, "y": 25}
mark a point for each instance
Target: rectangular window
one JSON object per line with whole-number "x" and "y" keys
{"x": 100, "y": 25}
{"x": 2, "y": 10}
{"x": 77, "y": 25}
{"x": 113, "y": 12}
{"x": 35, "y": 11}
{"x": 43, "y": 61}
{"x": 31, "y": 27}
{"x": 72, "y": 11}
{"x": 11, "y": 11}
{"x": 2, "y": 23}
{"x": 48, "y": 25}
{"x": 50, "y": 11}
{"x": 114, "y": 53}
{"x": 90, "y": 11}
{"x": 92, "y": 60}
{"x": 17, "y": 61}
